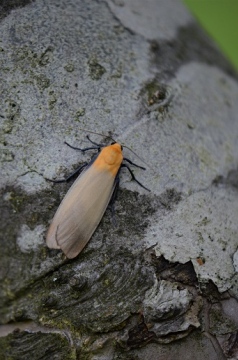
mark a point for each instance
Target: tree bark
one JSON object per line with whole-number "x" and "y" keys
{"x": 158, "y": 279}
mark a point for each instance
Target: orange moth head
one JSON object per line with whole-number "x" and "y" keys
{"x": 110, "y": 158}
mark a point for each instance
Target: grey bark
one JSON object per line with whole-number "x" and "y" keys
{"x": 159, "y": 281}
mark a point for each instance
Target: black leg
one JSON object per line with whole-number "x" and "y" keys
{"x": 133, "y": 177}
{"x": 94, "y": 143}
{"x": 130, "y": 162}
{"x": 83, "y": 150}
{"x": 96, "y": 147}
{"x": 70, "y": 176}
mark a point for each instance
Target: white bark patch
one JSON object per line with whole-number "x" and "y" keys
{"x": 203, "y": 229}
{"x": 31, "y": 182}
{"x": 29, "y": 240}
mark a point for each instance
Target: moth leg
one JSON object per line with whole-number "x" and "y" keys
{"x": 78, "y": 170}
{"x": 85, "y": 149}
{"x": 133, "y": 176}
{"x": 94, "y": 143}
{"x": 130, "y": 162}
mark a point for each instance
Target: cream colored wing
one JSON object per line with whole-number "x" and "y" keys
{"x": 80, "y": 211}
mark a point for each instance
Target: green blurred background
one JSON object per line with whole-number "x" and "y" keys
{"x": 220, "y": 19}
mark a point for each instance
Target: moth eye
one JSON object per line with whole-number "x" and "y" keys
{"x": 114, "y": 142}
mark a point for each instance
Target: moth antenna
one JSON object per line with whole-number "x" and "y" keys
{"x": 139, "y": 157}
{"x": 96, "y": 133}
{"x": 109, "y": 137}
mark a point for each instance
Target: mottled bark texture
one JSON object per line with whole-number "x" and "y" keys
{"x": 164, "y": 266}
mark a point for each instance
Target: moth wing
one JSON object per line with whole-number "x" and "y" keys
{"x": 81, "y": 211}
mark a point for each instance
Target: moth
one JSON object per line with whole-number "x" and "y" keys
{"x": 83, "y": 206}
